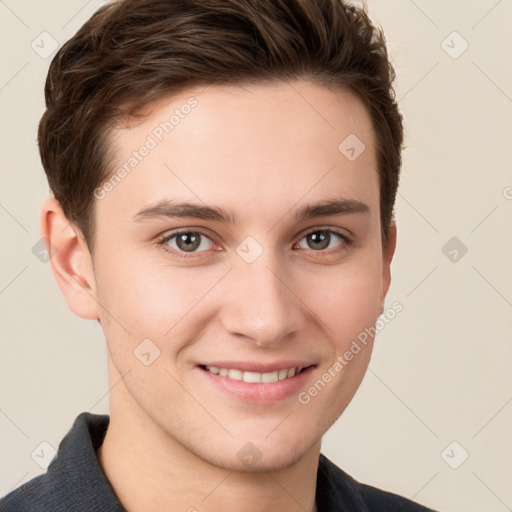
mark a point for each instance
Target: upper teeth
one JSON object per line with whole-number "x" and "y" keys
{"x": 253, "y": 376}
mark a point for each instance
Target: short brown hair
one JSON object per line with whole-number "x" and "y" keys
{"x": 133, "y": 52}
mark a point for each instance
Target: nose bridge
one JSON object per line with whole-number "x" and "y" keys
{"x": 260, "y": 304}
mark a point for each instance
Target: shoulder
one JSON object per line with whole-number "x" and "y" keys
{"x": 337, "y": 487}
{"x": 32, "y": 495}
{"x": 378, "y": 500}
{"x": 73, "y": 478}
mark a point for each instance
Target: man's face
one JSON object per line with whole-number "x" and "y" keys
{"x": 261, "y": 295}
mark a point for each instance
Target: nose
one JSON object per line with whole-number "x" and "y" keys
{"x": 260, "y": 304}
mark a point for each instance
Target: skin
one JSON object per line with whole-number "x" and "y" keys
{"x": 263, "y": 151}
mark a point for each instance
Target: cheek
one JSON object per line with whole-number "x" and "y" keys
{"x": 149, "y": 299}
{"x": 346, "y": 299}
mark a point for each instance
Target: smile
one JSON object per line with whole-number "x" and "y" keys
{"x": 258, "y": 382}
{"x": 254, "y": 377}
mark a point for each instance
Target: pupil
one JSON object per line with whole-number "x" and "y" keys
{"x": 188, "y": 241}
{"x": 321, "y": 238}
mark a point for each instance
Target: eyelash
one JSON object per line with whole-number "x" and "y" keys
{"x": 162, "y": 241}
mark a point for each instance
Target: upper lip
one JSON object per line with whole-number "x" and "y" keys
{"x": 247, "y": 366}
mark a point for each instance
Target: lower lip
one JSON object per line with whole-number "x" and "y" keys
{"x": 259, "y": 392}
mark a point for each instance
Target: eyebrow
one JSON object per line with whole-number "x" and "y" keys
{"x": 167, "y": 208}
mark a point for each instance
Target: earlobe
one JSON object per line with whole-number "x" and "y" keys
{"x": 70, "y": 259}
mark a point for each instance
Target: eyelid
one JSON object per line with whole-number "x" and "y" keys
{"x": 166, "y": 237}
{"x": 348, "y": 240}
{"x": 333, "y": 229}
{"x": 179, "y": 231}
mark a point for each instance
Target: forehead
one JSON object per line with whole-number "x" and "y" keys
{"x": 264, "y": 144}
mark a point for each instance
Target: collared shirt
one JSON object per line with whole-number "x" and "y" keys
{"x": 75, "y": 481}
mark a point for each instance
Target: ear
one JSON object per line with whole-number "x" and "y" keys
{"x": 387, "y": 255}
{"x": 70, "y": 259}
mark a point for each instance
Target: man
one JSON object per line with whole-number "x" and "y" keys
{"x": 224, "y": 174}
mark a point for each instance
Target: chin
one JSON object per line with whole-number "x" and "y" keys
{"x": 257, "y": 457}
{"x": 263, "y": 465}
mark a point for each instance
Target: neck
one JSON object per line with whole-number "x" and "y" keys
{"x": 150, "y": 471}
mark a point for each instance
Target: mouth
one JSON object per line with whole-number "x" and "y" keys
{"x": 258, "y": 384}
{"x": 256, "y": 377}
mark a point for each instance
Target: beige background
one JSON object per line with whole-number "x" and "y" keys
{"x": 441, "y": 369}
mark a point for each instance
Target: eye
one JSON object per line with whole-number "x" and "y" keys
{"x": 186, "y": 242}
{"x": 321, "y": 239}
